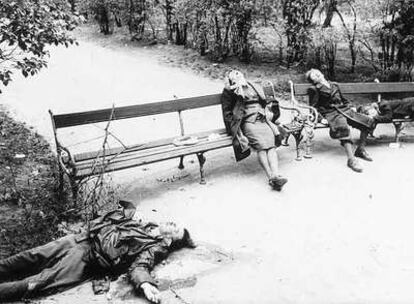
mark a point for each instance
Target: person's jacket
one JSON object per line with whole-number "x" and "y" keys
{"x": 120, "y": 243}
{"x": 326, "y": 99}
{"x": 397, "y": 108}
{"x": 234, "y": 110}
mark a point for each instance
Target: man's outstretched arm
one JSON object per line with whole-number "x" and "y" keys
{"x": 385, "y": 113}
{"x": 139, "y": 272}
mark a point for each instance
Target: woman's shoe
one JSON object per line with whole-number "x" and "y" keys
{"x": 354, "y": 164}
{"x": 362, "y": 153}
{"x": 277, "y": 182}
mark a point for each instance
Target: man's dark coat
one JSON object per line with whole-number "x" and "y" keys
{"x": 122, "y": 245}
{"x": 398, "y": 108}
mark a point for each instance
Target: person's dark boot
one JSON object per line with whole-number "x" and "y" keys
{"x": 362, "y": 153}
{"x": 353, "y": 163}
{"x": 277, "y": 182}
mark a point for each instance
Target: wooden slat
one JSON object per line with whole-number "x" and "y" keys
{"x": 147, "y": 145}
{"x": 159, "y": 152}
{"x": 144, "y": 153}
{"x": 363, "y": 88}
{"x": 155, "y": 158}
{"x": 82, "y": 118}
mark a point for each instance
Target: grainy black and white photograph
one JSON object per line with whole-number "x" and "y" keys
{"x": 216, "y": 151}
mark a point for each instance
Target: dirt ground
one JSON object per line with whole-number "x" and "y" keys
{"x": 331, "y": 235}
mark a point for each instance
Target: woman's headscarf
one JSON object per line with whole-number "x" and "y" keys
{"x": 235, "y": 82}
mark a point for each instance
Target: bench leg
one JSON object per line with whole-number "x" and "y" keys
{"x": 75, "y": 188}
{"x": 298, "y": 139}
{"x": 201, "y": 160}
{"x": 61, "y": 181}
{"x": 181, "y": 165}
{"x": 308, "y": 142}
{"x": 398, "y": 128}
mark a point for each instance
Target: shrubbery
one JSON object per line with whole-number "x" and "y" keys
{"x": 375, "y": 32}
{"x": 31, "y": 204}
{"x": 27, "y": 27}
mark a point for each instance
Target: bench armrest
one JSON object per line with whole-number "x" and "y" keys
{"x": 312, "y": 116}
{"x": 295, "y": 107}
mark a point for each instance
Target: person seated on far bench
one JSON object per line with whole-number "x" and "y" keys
{"x": 387, "y": 110}
{"x": 326, "y": 97}
{"x": 251, "y": 121}
{"x": 114, "y": 243}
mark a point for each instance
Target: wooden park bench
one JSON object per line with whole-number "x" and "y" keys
{"x": 82, "y": 165}
{"x": 300, "y": 98}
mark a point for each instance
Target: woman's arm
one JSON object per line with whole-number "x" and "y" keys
{"x": 343, "y": 99}
{"x": 228, "y": 100}
{"x": 313, "y": 94}
{"x": 274, "y": 111}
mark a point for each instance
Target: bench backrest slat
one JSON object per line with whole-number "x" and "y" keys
{"x": 82, "y": 118}
{"x": 363, "y": 88}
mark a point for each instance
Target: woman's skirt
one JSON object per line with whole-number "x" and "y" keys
{"x": 261, "y": 135}
{"x": 341, "y": 119}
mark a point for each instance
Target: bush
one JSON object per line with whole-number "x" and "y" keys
{"x": 32, "y": 207}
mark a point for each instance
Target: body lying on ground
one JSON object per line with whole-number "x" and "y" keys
{"x": 114, "y": 244}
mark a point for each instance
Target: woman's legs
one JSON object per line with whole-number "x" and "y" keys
{"x": 272, "y": 157}
{"x": 352, "y": 161}
{"x": 268, "y": 159}
{"x": 264, "y": 162}
{"x": 360, "y": 151}
{"x": 349, "y": 150}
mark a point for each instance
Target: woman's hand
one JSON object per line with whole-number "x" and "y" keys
{"x": 151, "y": 292}
{"x": 269, "y": 114}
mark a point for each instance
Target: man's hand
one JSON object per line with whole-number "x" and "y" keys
{"x": 151, "y": 292}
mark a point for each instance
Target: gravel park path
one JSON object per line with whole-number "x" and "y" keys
{"x": 331, "y": 235}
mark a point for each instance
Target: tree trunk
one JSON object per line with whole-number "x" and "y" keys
{"x": 330, "y": 9}
{"x": 353, "y": 56}
{"x": 168, "y": 14}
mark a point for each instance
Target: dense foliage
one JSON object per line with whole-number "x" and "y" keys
{"x": 308, "y": 32}
{"x": 378, "y": 32}
{"x": 31, "y": 205}
{"x": 27, "y": 27}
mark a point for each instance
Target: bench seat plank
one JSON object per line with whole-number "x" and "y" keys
{"x": 84, "y": 169}
{"x": 126, "y": 155}
{"x": 147, "y": 145}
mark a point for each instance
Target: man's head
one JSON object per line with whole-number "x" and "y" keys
{"x": 314, "y": 76}
{"x": 370, "y": 110}
{"x": 179, "y": 235}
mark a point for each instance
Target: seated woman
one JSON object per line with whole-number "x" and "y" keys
{"x": 326, "y": 97}
{"x": 251, "y": 121}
